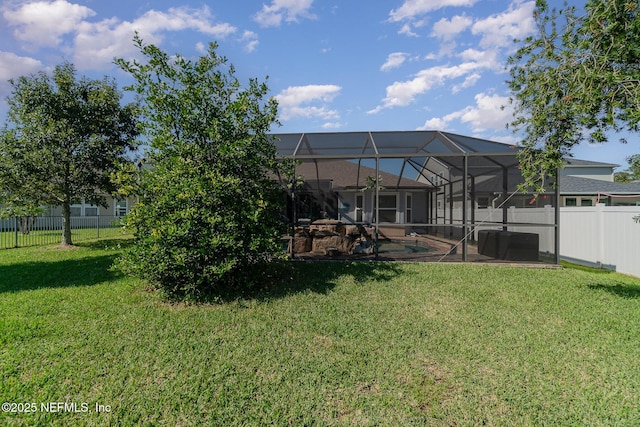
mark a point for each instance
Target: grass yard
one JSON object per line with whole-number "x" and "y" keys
{"x": 347, "y": 344}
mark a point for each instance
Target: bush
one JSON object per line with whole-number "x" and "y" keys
{"x": 208, "y": 211}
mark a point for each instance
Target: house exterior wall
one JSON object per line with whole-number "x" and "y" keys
{"x": 591, "y": 172}
{"x": 434, "y": 173}
{"x": 580, "y": 200}
{"x": 348, "y": 209}
{"x": 87, "y": 209}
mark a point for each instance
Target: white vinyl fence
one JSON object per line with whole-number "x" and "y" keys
{"x": 491, "y": 219}
{"x": 602, "y": 236}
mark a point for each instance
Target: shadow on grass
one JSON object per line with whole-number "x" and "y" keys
{"x": 275, "y": 280}
{"x": 108, "y": 244}
{"x": 283, "y": 278}
{"x": 33, "y": 275}
{"x": 321, "y": 277}
{"x": 622, "y": 290}
{"x": 594, "y": 270}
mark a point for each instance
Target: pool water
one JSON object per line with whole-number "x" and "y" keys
{"x": 403, "y": 247}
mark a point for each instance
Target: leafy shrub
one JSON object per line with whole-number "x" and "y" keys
{"x": 208, "y": 211}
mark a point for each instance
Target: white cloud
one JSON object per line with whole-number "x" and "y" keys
{"x": 446, "y": 29}
{"x": 394, "y": 60}
{"x": 93, "y": 45}
{"x": 499, "y": 30}
{"x": 250, "y": 39}
{"x": 289, "y": 10}
{"x": 413, "y": 8}
{"x": 469, "y": 81}
{"x": 435, "y": 124}
{"x": 96, "y": 44}
{"x": 332, "y": 125}
{"x": 488, "y": 113}
{"x": 401, "y": 94}
{"x": 43, "y": 23}
{"x": 295, "y": 102}
{"x": 13, "y": 66}
{"x": 407, "y": 30}
{"x": 201, "y": 47}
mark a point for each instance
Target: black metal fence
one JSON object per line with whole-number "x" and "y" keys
{"x": 47, "y": 230}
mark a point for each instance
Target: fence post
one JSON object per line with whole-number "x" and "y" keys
{"x": 98, "y": 226}
{"x": 513, "y": 216}
{"x": 601, "y": 234}
{"x": 550, "y": 218}
{"x": 16, "y": 229}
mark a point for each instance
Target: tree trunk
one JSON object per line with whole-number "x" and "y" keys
{"x": 66, "y": 225}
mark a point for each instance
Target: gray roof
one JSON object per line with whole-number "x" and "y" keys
{"x": 577, "y": 185}
{"x": 571, "y": 162}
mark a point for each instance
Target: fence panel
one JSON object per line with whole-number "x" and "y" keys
{"x": 491, "y": 219}
{"x": 47, "y": 230}
{"x": 603, "y": 236}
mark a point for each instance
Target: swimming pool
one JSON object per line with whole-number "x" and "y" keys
{"x": 403, "y": 247}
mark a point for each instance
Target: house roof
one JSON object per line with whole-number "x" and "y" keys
{"x": 350, "y": 175}
{"x": 577, "y": 185}
{"x": 576, "y": 163}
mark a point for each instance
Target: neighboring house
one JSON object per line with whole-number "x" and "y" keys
{"x": 579, "y": 191}
{"x": 582, "y": 183}
{"x": 585, "y": 183}
{"x": 115, "y": 208}
{"x": 588, "y": 169}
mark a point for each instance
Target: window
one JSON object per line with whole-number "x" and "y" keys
{"x": 359, "y": 208}
{"x": 388, "y": 207}
{"x": 483, "y": 202}
{"x": 120, "y": 208}
{"x": 437, "y": 180}
{"x": 570, "y": 201}
{"x": 586, "y": 202}
{"x": 408, "y": 209}
{"x": 81, "y": 208}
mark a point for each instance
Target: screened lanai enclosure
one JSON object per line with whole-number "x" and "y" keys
{"x": 353, "y": 193}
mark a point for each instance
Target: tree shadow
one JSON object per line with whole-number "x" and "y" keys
{"x": 320, "y": 277}
{"x": 32, "y": 275}
{"x": 284, "y": 278}
{"x": 275, "y": 280}
{"x": 622, "y": 290}
{"x": 108, "y": 244}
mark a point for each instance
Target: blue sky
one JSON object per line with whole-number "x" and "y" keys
{"x": 333, "y": 65}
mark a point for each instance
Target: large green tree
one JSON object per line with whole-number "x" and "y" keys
{"x": 62, "y": 140}
{"x": 208, "y": 218}
{"x": 576, "y": 80}
{"x": 632, "y": 173}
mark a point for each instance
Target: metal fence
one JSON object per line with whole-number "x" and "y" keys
{"x": 47, "y": 230}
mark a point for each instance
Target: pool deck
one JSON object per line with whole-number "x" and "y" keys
{"x": 441, "y": 253}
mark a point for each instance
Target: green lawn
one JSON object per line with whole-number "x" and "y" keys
{"x": 348, "y": 344}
